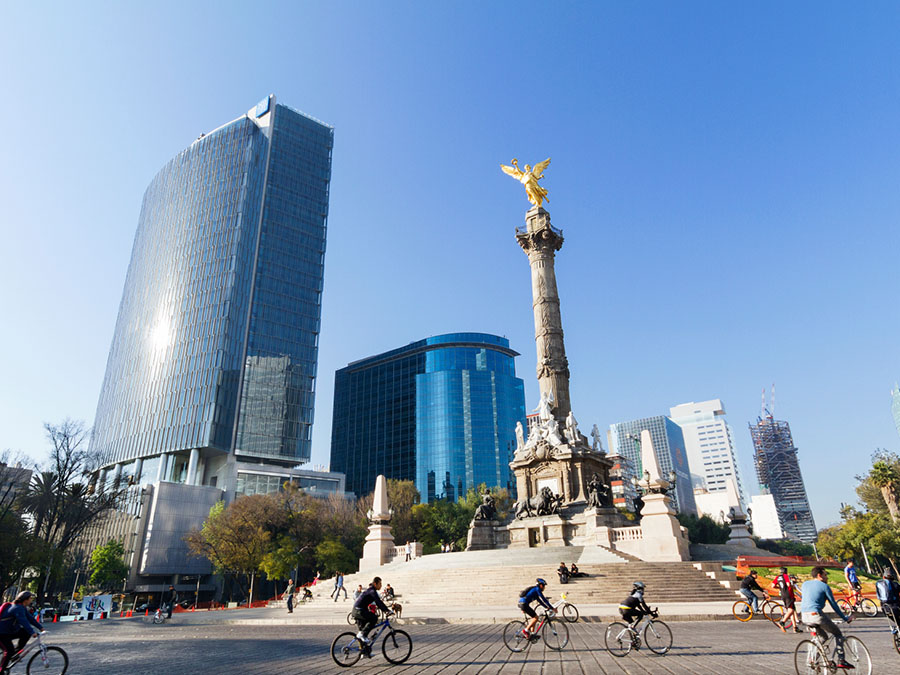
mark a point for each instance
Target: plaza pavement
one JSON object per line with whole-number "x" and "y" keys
{"x": 207, "y": 642}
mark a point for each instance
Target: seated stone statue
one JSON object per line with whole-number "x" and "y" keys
{"x": 486, "y": 510}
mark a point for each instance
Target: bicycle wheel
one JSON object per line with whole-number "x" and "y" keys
{"x": 556, "y": 634}
{"x": 396, "y": 646}
{"x": 570, "y": 613}
{"x": 846, "y": 607}
{"x": 773, "y": 611}
{"x": 809, "y": 659}
{"x": 350, "y": 619}
{"x": 158, "y": 619}
{"x": 617, "y": 639}
{"x": 896, "y": 637}
{"x": 54, "y": 662}
{"x": 657, "y": 637}
{"x": 513, "y": 637}
{"x": 742, "y": 610}
{"x": 868, "y": 607}
{"x": 346, "y": 649}
{"x": 857, "y": 655}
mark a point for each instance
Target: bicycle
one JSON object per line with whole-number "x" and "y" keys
{"x": 556, "y": 637}
{"x": 346, "y": 649}
{"x": 352, "y": 621}
{"x": 895, "y": 629}
{"x": 811, "y": 656}
{"x": 159, "y": 616}
{"x": 48, "y": 660}
{"x": 569, "y": 611}
{"x": 772, "y": 610}
{"x": 621, "y": 638}
{"x": 861, "y": 605}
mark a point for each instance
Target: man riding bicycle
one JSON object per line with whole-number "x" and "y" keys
{"x": 815, "y": 593}
{"x": 526, "y": 597}
{"x": 634, "y": 608}
{"x": 16, "y": 622}
{"x": 888, "y": 591}
{"x": 853, "y": 582}
{"x": 748, "y": 586}
{"x": 364, "y": 613}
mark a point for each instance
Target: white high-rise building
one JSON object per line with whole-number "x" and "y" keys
{"x": 764, "y": 517}
{"x": 709, "y": 443}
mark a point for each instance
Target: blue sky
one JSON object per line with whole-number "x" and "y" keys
{"x": 726, "y": 178}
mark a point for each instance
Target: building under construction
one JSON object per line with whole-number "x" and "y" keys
{"x": 779, "y": 472}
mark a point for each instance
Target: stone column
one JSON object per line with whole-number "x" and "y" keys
{"x": 540, "y": 242}
{"x": 379, "y": 547}
{"x": 192, "y": 467}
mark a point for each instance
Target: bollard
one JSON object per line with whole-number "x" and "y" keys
{"x": 54, "y": 618}
{"x": 147, "y": 612}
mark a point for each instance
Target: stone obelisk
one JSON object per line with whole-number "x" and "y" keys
{"x": 540, "y": 241}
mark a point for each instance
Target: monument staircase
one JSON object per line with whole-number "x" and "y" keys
{"x": 495, "y": 577}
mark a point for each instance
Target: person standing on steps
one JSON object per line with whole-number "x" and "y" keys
{"x": 339, "y": 586}
{"x": 289, "y": 594}
{"x": 408, "y": 552}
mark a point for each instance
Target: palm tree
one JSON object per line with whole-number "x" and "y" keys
{"x": 886, "y": 477}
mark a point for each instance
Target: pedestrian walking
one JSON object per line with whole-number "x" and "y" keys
{"x": 408, "y": 551}
{"x": 338, "y": 586}
{"x": 173, "y": 597}
{"x": 289, "y": 594}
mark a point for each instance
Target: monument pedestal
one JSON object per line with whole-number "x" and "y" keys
{"x": 740, "y": 535}
{"x": 379, "y": 547}
{"x": 661, "y": 535}
{"x": 481, "y": 535}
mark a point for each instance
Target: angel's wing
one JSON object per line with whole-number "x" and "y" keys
{"x": 538, "y": 169}
{"x": 512, "y": 171}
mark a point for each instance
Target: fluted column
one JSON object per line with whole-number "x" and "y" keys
{"x": 541, "y": 241}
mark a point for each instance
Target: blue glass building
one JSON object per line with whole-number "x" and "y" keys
{"x": 213, "y": 359}
{"x": 669, "y": 446}
{"x": 441, "y": 412}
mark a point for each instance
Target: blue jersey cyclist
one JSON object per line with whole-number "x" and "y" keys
{"x": 529, "y": 595}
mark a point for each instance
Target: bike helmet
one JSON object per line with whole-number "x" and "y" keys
{"x": 638, "y": 585}
{"x": 541, "y": 582}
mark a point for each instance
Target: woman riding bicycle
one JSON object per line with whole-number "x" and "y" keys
{"x": 16, "y": 622}
{"x": 634, "y": 608}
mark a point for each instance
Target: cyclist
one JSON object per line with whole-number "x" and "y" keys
{"x": 853, "y": 582}
{"x": 786, "y": 588}
{"x": 816, "y": 593}
{"x": 528, "y": 596}
{"x": 748, "y": 585}
{"x": 364, "y": 613}
{"x": 888, "y": 591}
{"x": 634, "y": 607}
{"x": 16, "y": 622}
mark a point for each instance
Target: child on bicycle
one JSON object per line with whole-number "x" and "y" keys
{"x": 634, "y": 608}
{"x": 16, "y": 622}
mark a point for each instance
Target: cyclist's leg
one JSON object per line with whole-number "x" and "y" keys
{"x": 6, "y": 641}
{"x": 533, "y": 617}
{"x": 828, "y": 627}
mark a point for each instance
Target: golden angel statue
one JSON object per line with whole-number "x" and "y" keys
{"x": 529, "y": 178}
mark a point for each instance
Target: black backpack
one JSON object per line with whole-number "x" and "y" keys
{"x": 522, "y": 594}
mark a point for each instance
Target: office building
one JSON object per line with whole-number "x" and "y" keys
{"x": 441, "y": 412}
{"x": 668, "y": 443}
{"x": 620, "y": 475}
{"x": 710, "y": 448}
{"x": 779, "y": 474}
{"x": 211, "y": 372}
{"x": 764, "y": 517}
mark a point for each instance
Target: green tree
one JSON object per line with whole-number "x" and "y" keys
{"x": 332, "y": 556}
{"x": 885, "y": 475}
{"x": 704, "y": 530}
{"x": 107, "y": 566}
{"x": 402, "y": 496}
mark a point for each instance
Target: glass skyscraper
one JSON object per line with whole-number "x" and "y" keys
{"x": 213, "y": 359}
{"x": 669, "y": 446}
{"x": 441, "y": 412}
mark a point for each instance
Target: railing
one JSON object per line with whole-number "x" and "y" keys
{"x": 627, "y": 534}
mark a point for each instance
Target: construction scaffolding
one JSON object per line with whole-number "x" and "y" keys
{"x": 778, "y": 471}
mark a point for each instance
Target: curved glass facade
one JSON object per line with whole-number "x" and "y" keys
{"x": 215, "y": 345}
{"x": 441, "y": 412}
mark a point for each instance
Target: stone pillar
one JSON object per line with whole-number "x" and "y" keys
{"x": 540, "y": 242}
{"x": 192, "y": 467}
{"x": 663, "y": 540}
{"x": 379, "y": 547}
